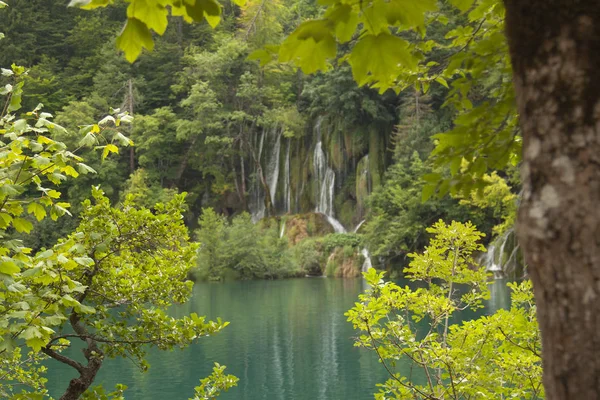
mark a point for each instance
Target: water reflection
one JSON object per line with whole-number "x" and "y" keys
{"x": 287, "y": 340}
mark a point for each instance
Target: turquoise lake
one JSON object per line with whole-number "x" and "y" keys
{"x": 287, "y": 339}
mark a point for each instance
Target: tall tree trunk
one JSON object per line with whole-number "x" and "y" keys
{"x": 555, "y": 52}
{"x": 93, "y": 355}
{"x": 184, "y": 162}
{"x": 243, "y": 169}
{"x": 131, "y": 149}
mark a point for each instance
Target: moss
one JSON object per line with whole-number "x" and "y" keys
{"x": 347, "y": 214}
{"x": 377, "y": 157}
{"x": 343, "y": 262}
{"x": 336, "y": 150}
{"x": 363, "y": 185}
{"x": 332, "y": 264}
{"x": 302, "y": 226}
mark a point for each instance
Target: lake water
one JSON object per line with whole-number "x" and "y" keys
{"x": 287, "y": 339}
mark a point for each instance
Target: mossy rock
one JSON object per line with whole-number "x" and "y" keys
{"x": 302, "y": 226}
{"x": 344, "y": 263}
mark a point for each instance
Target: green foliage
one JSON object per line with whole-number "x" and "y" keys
{"x": 211, "y": 236}
{"x": 475, "y": 68}
{"x": 214, "y": 384}
{"x": 141, "y": 191}
{"x": 498, "y": 197}
{"x": 147, "y": 16}
{"x": 127, "y": 258}
{"x": 98, "y": 393}
{"x": 240, "y": 246}
{"x": 497, "y": 355}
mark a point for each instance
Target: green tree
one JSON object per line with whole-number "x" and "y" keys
{"x": 497, "y": 44}
{"x": 495, "y": 356}
{"x": 127, "y": 258}
{"x": 211, "y": 237}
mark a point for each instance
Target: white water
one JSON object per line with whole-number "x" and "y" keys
{"x": 367, "y": 263}
{"x": 365, "y": 252}
{"x": 287, "y": 194}
{"x": 359, "y": 225}
{"x": 282, "y": 231}
{"x": 325, "y": 177}
{"x": 337, "y": 226}
{"x": 326, "y": 184}
{"x": 257, "y": 198}
{"x": 494, "y": 259}
{"x": 273, "y": 166}
{"x": 270, "y": 164}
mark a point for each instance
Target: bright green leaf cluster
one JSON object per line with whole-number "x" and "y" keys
{"x": 147, "y": 16}
{"x": 490, "y": 357}
{"x": 214, "y": 384}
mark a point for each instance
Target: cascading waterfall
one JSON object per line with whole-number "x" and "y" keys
{"x": 282, "y": 231}
{"x": 287, "y": 194}
{"x": 501, "y": 257}
{"x": 367, "y": 263}
{"x": 273, "y": 166}
{"x": 359, "y": 225}
{"x": 257, "y": 197}
{"x": 325, "y": 176}
{"x": 270, "y": 165}
{"x": 365, "y": 252}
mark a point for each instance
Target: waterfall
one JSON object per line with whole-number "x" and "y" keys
{"x": 367, "y": 263}
{"x": 287, "y": 194}
{"x": 282, "y": 231}
{"x": 268, "y": 158}
{"x": 257, "y": 196}
{"x": 359, "y": 225}
{"x": 363, "y": 184}
{"x": 501, "y": 256}
{"x": 273, "y": 166}
{"x": 365, "y": 252}
{"x": 325, "y": 177}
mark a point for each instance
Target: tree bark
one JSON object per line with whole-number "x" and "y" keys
{"x": 555, "y": 52}
{"x": 93, "y": 355}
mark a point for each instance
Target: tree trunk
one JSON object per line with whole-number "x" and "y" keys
{"x": 77, "y": 386}
{"x": 555, "y": 52}
{"x": 184, "y": 162}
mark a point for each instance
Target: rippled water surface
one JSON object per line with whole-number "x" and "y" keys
{"x": 287, "y": 339}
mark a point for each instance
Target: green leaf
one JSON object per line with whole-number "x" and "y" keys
{"x": 90, "y": 4}
{"x": 9, "y": 268}
{"x": 205, "y": 9}
{"x": 109, "y": 148}
{"x": 69, "y": 170}
{"x": 462, "y": 5}
{"x": 345, "y": 20}
{"x": 262, "y": 56}
{"x": 151, "y": 13}
{"x": 408, "y": 14}
{"x": 309, "y": 47}
{"x": 122, "y": 139}
{"x": 428, "y": 191}
{"x": 3, "y": 4}
{"x": 133, "y": 38}
{"x": 36, "y": 209}
{"x": 442, "y": 82}
{"x": 85, "y": 169}
{"x": 88, "y": 140}
{"x": 377, "y": 57}
{"x": 11, "y": 190}
{"x": 22, "y": 225}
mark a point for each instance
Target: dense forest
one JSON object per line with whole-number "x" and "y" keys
{"x": 151, "y": 144}
{"x": 238, "y": 138}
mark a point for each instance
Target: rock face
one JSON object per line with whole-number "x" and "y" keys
{"x": 328, "y": 170}
{"x": 342, "y": 263}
